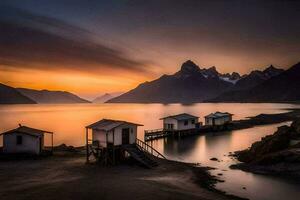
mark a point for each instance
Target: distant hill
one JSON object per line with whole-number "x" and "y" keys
{"x": 284, "y": 87}
{"x": 190, "y": 84}
{"x": 103, "y": 98}
{"x": 46, "y": 96}
{"x": 9, "y": 95}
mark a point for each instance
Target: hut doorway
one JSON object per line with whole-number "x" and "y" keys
{"x": 125, "y": 136}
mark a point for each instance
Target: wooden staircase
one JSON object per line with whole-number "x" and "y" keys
{"x": 141, "y": 152}
{"x": 140, "y": 156}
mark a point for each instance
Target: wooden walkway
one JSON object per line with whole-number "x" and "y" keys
{"x": 161, "y": 133}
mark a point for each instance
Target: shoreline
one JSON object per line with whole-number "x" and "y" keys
{"x": 66, "y": 170}
{"x": 169, "y": 176}
{"x": 265, "y": 119}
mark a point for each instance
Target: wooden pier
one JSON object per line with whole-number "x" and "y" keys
{"x": 161, "y": 133}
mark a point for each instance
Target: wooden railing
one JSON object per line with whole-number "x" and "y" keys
{"x": 153, "y": 131}
{"x": 146, "y": 147}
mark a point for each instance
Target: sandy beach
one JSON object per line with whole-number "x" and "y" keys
{"x": 66, "y": 176}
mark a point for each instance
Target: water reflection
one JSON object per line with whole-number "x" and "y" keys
{"x": 68, "y": 122}
{"x": 199, "y": 149}
{"x": 174, "y": 145}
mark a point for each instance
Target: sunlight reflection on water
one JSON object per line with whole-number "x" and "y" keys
{"x": 68, "y": 122}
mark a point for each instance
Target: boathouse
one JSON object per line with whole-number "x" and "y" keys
{"x": 113, "y": 132}
{"x": 180, "y": 122}
{"x": 218, "y": 118}
{"x": 111, "y": 140}
{"x": 25, "y": 140}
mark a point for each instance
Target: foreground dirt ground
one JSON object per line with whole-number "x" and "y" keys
{"x": 68, "y": 177}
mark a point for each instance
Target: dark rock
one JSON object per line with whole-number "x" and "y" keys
{"x": 214, "y": 159}
{"x": 273, "y": 154}
{"x": 296, "y": 126}
{"x": 280, "y": 140}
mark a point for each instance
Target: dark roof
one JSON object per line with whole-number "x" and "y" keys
{"x": 27, "y": 130}
{"x": 183, "y": 116}
{"x": 109, "y": 124}
{"x": 218, "y": 115}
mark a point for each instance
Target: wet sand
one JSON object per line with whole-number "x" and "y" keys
{"x": 66, "y": 176}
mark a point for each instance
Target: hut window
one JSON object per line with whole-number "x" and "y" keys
{"x": 186, "y": 122}
{"x": 193, "y": 121}
{"x": 19, "y": 139}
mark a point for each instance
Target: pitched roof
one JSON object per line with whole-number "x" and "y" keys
{"x": 27, "y": 130}
{"x": 218, "y": 115}
{"x": 182, "y": 116}
{"x": 109, "y": 124}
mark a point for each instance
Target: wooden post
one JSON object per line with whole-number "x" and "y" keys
{"x": 106, "y": 151}
{"x": 114, "y": 159}
{"x": 87, "y": 144}
{"x": 52, "y": 142}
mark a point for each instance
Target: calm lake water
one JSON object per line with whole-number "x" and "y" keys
{"x": 68, "y": 122}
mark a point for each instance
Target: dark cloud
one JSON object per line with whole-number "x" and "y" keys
{"x": 223, "y": 33}
{"x": 49, "y": 44}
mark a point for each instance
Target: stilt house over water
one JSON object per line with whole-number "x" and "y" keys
{"x": 179, "y": 122}
{"x": 113, "y": 132}
{"x": 26, "y": 140}
{"x": 111, "y": 139}
{"x": 218, "y": 118}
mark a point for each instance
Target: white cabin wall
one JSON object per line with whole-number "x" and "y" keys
{"x": 170, "y": 121}
{"x": 118, "y": 135}
{"x": 218, "y": 121}
{"x": 110, "y": 137}
{"x": 181, "y": 125}
{"x": 132, "y": 133}
{"x": 221, "y": 121}
{"x": 30, "y": 144}
{"x": 208, "y": 121}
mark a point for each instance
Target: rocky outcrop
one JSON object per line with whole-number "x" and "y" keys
{"x": 274, "y": 154}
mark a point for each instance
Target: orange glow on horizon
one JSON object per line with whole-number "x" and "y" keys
{"x": 81, "y": 83}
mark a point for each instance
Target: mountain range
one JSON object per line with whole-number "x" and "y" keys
{"x": 194, "y": 84}
{"x": 190, "y": 84}
{"x": 47, "y": 96}
{"x": 10, "y": 95}
{"x": 284, "y": 87}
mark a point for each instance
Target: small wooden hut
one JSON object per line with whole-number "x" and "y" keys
{"x": 108, "y": 136}
{"x": 111, "y": 140}
{"x": 180, "y": 122}
{"x": 218, "y": 118}
{"x": 25, "y": 140}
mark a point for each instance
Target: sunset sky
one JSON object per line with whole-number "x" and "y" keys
{"x": 92, "y": 47}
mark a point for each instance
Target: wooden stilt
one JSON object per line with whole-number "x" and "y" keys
{"x": 52, "y": 148}
{"x": 87, "y": 145}
{"x": 114, "y": 158}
